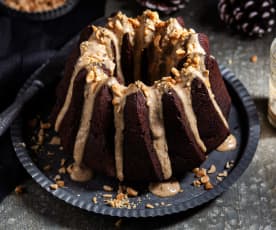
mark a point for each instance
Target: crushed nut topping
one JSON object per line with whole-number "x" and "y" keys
{"x": 223, "y": 174}
{"x": 212, "y": 169}
{"x": 196, "y": 183}
{"x": 208, "y": 186}
{"x": 107, "y": 195}
{"x": 94, "y": 199}
{"x": 204, "y": 179}
{"x": 149, "y": 206}
{"x": 107, "y": 188}
{"x": 131, "y": 192}
{"x": 53, "y": 186}
{"x": 34, "y": 5}
{"x": 20, "y": 189}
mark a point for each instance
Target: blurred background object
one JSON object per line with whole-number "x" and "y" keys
{"x": 164, "y": 6}
{"x": 251, "y": 18}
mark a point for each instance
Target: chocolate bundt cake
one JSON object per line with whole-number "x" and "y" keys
{"x": 141, "y": 100}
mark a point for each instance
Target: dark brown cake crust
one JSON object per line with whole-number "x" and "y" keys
{"x": 140, "y": 159}
{"x": 99, "y": 149}
{"x": 63, "y": 85}
{"x": 127, "y": 60}
{"x": 184, "y": 152}
{"x": 211, "y": 128}
{"x": 69, "y": 127}
{"x": 218, "y": 87}
{"x": 204, "y": 42}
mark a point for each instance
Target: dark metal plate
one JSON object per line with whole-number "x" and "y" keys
{"x": 244, "y": 124}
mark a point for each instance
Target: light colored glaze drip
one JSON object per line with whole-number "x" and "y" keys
{"x": 156, "y": 122}
{"x": 165, "y": 189}
{"x": 90, "y": 93}
{"x": 184, "y": 93}
{"x": 80, "y": 173}
{"x": 119, "y": 100}
{"x": 91, "y": 52}
{"x": 230, "y": 143}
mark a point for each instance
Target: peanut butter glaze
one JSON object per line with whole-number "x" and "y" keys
{"x": 165, "y": 189}
{"x": 80, "y": 173}
{"x": 230, "y": 143}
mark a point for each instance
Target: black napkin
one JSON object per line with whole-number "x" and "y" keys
{"x": 24, "y": 46}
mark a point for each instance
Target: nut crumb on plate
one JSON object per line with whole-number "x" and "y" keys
{"x": 53, "y": 186}
{"x": 149, "y": 206}
{"x": 34, "y": 5}
{"x": 212, "y": 169}
{"x": 107, "y": 188}
{"x": 254, "y": 58}
{"x": 20, "y": 189}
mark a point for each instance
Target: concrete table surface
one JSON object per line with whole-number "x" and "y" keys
{"x": 249, "y": 204}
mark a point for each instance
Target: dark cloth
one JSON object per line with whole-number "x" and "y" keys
{"x": 24, "y": 46}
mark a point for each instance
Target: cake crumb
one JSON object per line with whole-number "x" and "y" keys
{"x": 53, "y": 186}
{"x": 107, "y": 188}
{"x": 254, "y": 58}
{"x": 94, "y": 199}
{"x": 32, "y": 6}
{"x": 149, "y": 205}
{"x": 60, "y": 183}
{"x": 121, "y": 201}
{"x": 20, "y": 189}
{"x": 131, "y": 192}
{"x": 118, "y": 223}
{"x": 212, "y": 169}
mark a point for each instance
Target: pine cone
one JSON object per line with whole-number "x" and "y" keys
{"x": 164, "y": 6}
{"x": 250, "y": 17}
